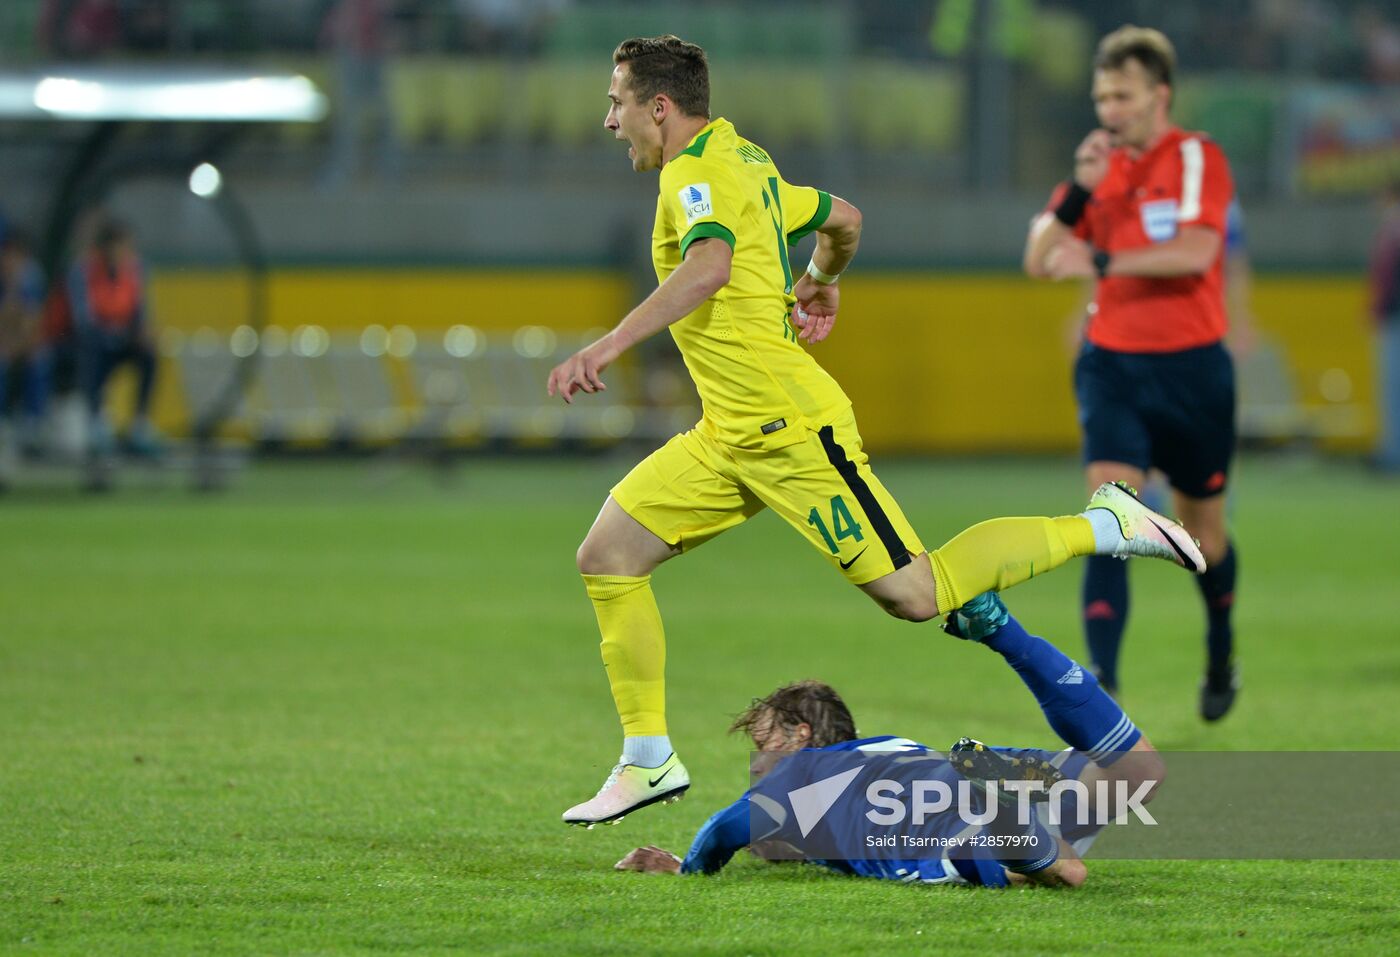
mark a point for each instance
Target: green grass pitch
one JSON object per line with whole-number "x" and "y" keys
{"x": 339, "y": 709}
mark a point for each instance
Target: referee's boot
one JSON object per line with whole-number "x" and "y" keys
{"x": 1218, "y": 690}
{"x": 630, "y": 787}
{"x": 1143, "y": 532}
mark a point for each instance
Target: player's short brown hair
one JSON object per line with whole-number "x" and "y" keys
{"x": 814, "y": 703}
{"x": 667, "y": 65}
{"x": 1149, "y": 47}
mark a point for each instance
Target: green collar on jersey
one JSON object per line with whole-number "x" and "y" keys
{"x": 697, "y": 145}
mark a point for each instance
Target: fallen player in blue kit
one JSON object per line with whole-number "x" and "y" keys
{"x": 809, "y": 733}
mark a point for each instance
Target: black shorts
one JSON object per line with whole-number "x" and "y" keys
{"x": 1171, "y": 410}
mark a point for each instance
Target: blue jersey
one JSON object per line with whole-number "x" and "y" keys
{"x": 762, "y": 814}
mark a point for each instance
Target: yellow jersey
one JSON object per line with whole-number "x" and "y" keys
{"x": 758, "y": 387}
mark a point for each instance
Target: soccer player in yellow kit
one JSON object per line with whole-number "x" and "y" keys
{"x": 777, "y": 431}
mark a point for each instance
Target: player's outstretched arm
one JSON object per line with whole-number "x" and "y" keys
{"x": 715, "y": 843}
{"x": 818, "y": 295}
{"x": 704, "y": 272}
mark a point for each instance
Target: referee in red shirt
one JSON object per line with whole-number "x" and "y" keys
{"x": 1145, "y": 215}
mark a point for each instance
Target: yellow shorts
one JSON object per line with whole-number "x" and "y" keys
{"x": 693, "y": 488}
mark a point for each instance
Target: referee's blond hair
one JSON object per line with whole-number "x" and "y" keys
{"x": 1149, "y": 47}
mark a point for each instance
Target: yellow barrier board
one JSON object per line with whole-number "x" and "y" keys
{"x": 935, "y": 362}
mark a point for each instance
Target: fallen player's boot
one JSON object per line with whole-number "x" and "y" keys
{"x": 981, "y": 764}
{"x": 978, "y": 618}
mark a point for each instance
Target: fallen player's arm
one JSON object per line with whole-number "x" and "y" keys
{"x": 724, "y": 834}
{"x": 1067, "y": 871}
{"x": 650, "y": 860}
{"x": 719, "y": 838}
{"x": 1032, "y": 856}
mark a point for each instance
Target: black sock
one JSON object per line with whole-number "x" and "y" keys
{"x": 1105, "y": 608}
{"x": 1218, "y": 589}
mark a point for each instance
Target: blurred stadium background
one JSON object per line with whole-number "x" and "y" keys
{"x": 405, "y": 262}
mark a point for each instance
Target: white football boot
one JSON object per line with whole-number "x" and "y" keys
{"x": 1145, "y": 533}
{"x": 630, "y": 787}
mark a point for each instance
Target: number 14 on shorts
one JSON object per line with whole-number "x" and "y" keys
{"x": 842, "y": 523}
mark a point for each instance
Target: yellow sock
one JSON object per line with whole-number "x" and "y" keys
{"x": 994, "y": 555}
{"x": 634, "y": 650}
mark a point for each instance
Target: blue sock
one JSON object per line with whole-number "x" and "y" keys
{"x": 1105, "y": 609}
{"x": 1218, "y": 589}
{"x": 1076, "y": 707}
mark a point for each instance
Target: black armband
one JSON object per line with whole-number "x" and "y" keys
{"x": 1101, "y": 261}
{"x": 1071, "y": 208}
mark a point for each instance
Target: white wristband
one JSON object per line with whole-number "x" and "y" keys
{"x": 826, "y": 279}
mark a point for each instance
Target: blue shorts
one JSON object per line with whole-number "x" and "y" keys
{"x": 1173, "y": 410}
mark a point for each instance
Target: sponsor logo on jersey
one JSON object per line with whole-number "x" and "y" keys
{"x": 695, "y": 200}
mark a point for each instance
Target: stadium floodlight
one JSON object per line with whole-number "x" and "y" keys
{"x": 206, "y": 180}
{"x": 169, "y": 94}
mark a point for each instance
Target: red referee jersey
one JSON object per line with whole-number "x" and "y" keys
{"x": 1181, "y": 181}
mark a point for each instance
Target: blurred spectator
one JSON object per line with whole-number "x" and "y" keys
{"x": 107, "y": 295}
{"x": 22, "y": 349}
{"x": 80, "y": 29}
{"x": 512, "y": 27}
{"x": 359, "y": 34}
{"x": 1385, "y": 310}
{"x": 1380, "y": 39}
{"x": 147, "y": 25}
